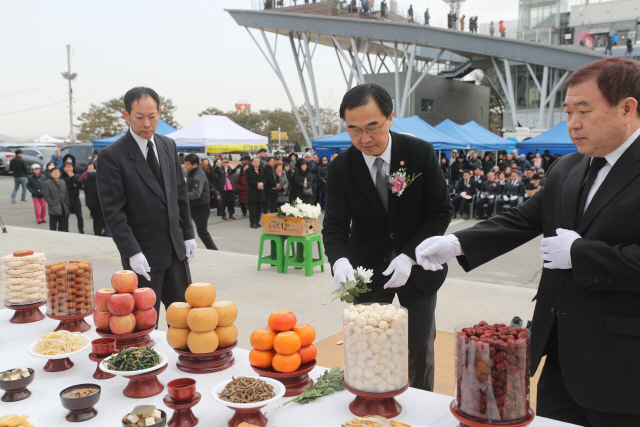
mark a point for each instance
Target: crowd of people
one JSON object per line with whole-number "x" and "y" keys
{"x": 489, "y": 187}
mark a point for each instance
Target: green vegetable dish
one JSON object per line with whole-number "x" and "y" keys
{"x": 133, "y": 359}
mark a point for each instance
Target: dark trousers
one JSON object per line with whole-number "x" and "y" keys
{"x": 555, "y": 402}
{"x": 501, "y": 202}
{"x": 255, "y": 208}
{"x": 169, "y": 284}
{"x": 227, "y": 201}
{"x": 269, "y": 205}
{"x": 480, "y": 202}
{"x": 98, "y": 221}
{"x": 75, "y": 207}
{"x": 460, "y": 203}
{"x": 200, "y": 215}
{"x": 58, "y": 223}
{"x": 243, "y": 208}
{"x": 422, "y": 329}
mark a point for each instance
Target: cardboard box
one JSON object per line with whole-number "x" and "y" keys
{"x": 288, "y": 226}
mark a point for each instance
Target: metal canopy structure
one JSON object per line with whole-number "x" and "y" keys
{"x": 367, "y": 46}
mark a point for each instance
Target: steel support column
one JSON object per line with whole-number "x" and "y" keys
{"x": 507, "y": 72}
{"x": 397, "y": 74}
{"x": 505, "y": 89}
{"x": 425, "y": 72}
{"x": 276, "y": 68}
{"x": 303, "y": 85}
{"x": 307, "y": 57}
{"x": 407, "y": 80}
{"x": 543, "y": 96}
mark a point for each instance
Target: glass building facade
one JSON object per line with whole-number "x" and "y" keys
{"x": 540, "y": 20}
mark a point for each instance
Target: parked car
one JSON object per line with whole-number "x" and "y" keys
{"x": 5, "y": 158}
{"x": 34, "y": 155}
{"x": 83, "y": 154}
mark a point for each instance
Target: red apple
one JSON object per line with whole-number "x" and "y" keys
{"x": 101, "y": 320}
{"x": 145, "y": 298}
{"x": 102, "y": 298}
{"x": 125, "y": 281}
{"x": 121, "y": 304}
{"x": 121, "y": 325}
{"x": 145, "y": 318}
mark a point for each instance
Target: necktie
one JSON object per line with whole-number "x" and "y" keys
{"x": 381, "y": 183}
{"x": 152, "y": 161}
{"x": 257, "y": 171}
{"x": 596, "y": 164}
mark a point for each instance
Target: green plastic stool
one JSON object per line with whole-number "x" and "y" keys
{"x": 276, "y": 257}
{"x": 303, "y": 256}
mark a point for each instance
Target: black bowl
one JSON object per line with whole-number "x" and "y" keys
{"x": 82, "y": 407}
{"x": 161, "y": 423}
{"x": 17, "y": 389}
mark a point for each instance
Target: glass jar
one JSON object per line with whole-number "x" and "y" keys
{"x": 376, "y": 351}
{"x": 69, "y": 288}
{"x": 492, "y": 371}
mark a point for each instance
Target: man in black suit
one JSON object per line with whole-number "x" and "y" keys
{"x": 256, "y": 179}
{"x": 368, "y": 225}
{"x": 271, "y": 186}
{"x": 489, "y": 191}
{"x": 587, "y": 313}
{"x": 466, "y": 187}
{"x": 144, "y": 200}
{"x": 513, "y": 189}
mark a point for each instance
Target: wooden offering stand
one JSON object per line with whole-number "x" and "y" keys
{"x": 253, "y": 416}
{"x": 138, "y": 338}
{"x": 382, "y": 404}
{"x": 26, "y": 313}
{"x": 102, "y": 348}
{"x": 144, "y": 385}
{"x": 295, "y": 382}
{"x": 72, "y": 323}
{"x": 466, "y": 421}
{"x": 58, "y": 365}
{"x": 182, "y": 415}
{"x": 206, "y": 363}
{"x": 16, "y": 390}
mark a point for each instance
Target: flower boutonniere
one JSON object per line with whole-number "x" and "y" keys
{"x": 399, "y": 181}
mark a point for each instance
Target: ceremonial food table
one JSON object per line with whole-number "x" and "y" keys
{"x": 419, "y": 408}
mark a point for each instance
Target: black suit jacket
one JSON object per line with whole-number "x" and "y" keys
{"x": 141, "y": 217}
{"x": 510, "y": 189}
{"x": 470, "y": 188}
{"x": 271, "y": 179}
{"x": 356, "y": 225}
{"x": 253, "y": 179}
{"x": 597, "y": 302}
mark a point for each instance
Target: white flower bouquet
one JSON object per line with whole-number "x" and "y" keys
{"x": 297, "y": 209}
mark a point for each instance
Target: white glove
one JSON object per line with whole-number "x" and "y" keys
{"x": 190, "y": 246}
{"x": 482, "y": 196}
{"x": 464, "y": 193}
{"x": 140, "y": 265}
{"x": 435, "y": 251}
{"x": 491, "y": 196}
{"x": 401, "y": 268}
{"x": 506, "y": 198}
{"x": 514, "y": 197}
{"x": 557, "y": 249}
{"x": 526, "y": 196}
{"x": 342, "y": 272}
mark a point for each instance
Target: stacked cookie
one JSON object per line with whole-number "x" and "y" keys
{"x": 70, "y": 288}
{"x": 23, "y": 277}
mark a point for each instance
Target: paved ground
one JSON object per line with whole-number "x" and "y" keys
{"x": 496, "y": 291}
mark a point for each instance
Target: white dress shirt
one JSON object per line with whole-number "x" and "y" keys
{"x": 386, "y": 166}
{"x": 611, "y": 158}
{"x": 142, "y": 143}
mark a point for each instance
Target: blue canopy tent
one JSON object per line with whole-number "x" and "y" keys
{"x": 413, "y": 125}
{"x": 475, "y": 136}
{"x": 556, "y": 140}
{"x": 163, "y": 129}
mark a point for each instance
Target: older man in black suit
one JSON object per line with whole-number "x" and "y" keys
{"x": 587, "y": 313}
{"x": 145, "y": 203}
{"x": 366, "y": 224}
{"x": 256, "y": 180}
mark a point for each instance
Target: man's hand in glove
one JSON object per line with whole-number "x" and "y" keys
{"x": 342, "y": 272}
{"x": 140, "y": 265}
{"x": 437, "y": 250}
{"x": 190, "y": 246}
{"x": 401, "y": 268}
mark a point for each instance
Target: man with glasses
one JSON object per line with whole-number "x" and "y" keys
{"x": 368, "y": 225}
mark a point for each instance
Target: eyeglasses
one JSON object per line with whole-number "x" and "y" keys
{"x": 357, "y": 133}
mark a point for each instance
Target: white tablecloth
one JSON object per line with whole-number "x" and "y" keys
{"x": 420, "y": 408}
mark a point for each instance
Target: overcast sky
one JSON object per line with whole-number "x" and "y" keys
{"x": 191, "y": 51}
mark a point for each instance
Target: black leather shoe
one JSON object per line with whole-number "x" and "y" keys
{"x": 255, "y": 226}
{"x": 454, "y": 215}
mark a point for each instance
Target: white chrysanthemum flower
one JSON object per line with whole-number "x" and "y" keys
{"x": 364, "y": 273}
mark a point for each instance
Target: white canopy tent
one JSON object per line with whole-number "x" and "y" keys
{"x": 44, "y": 138}
{"x": 219, "y": 134}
